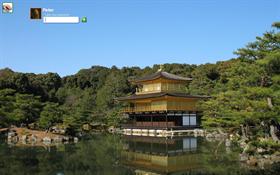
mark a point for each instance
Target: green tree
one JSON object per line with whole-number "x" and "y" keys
{"x": 269, "y": 42}
{"x": 116, "y": 85}
{"x": 26, "y": 109}
{"x": 50, "y": 115}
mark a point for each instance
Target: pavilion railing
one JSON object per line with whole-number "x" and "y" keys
{"x": 161, "y": 124}
{"x": 155, "y": 108}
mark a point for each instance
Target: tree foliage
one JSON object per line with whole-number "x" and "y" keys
{"x": 51, "y": 114}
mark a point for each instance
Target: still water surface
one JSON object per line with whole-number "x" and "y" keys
{"x": 123, "y": 155}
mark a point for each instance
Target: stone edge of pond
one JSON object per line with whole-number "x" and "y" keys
{"x": 28, "y": 137}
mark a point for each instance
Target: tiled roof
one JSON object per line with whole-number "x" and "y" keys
{"x": 159, "y": 94}
{"x": 161, "y": 74}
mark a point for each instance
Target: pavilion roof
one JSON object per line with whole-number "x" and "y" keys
{"x": 161, "y": 74}
{"x": 159, "y": 94}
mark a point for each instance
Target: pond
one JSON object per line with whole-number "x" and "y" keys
{"x": 120, "y": 155}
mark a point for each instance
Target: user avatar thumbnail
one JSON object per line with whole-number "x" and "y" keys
{"x": 35, "y": 13}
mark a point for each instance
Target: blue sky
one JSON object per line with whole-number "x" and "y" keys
{"x": 131, "y": 33}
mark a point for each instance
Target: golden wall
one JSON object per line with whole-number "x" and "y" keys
{"x": 161, "y": 87}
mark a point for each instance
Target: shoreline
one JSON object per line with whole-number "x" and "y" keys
{"x": 28, "y": 137}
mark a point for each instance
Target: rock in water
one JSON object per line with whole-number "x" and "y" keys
{"x": 58, "y": 139}
{"x": 24, "y": 138}
{"x": 33, "y": 138}
{"x": 11, "y": 134}
{"x": 66, "y": 139}
{"x": 47, "y": 140}
{"x": 111, "y": 129}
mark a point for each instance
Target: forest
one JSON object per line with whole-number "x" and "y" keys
{"x": 244, "y": 90}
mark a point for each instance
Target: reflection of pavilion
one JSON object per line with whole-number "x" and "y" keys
{"x": 149, "y": 155}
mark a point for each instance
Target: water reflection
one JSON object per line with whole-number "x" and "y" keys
{"x": 99, "y": 155}
{"x": 159, "y": 145}
{"x": 154, "y": 155}
{"x": 124, "y": 155}
{"x": 184, "y": 156}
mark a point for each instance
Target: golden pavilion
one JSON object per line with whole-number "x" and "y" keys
{"x": 161, "y": 102}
